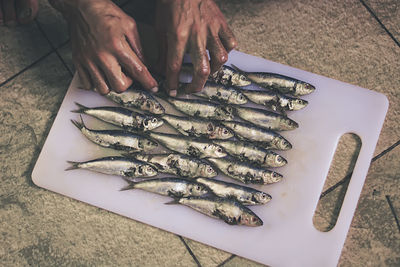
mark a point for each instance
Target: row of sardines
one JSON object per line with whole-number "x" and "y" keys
{"x": 218, "y": 134}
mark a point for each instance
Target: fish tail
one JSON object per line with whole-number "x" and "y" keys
{"x": 131, "y": 185}
{"x": 81, "y": 108}
{"x": 79, "y": 125}
{"x": 74, "y": 165}
{"x": 238, "y": 69}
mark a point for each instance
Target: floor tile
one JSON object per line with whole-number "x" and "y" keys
{"x": 388, "y": 12}
{"x": 66, "y": 54}
{"x": 52, "y": 23}
{"x": 20, "y": 47}
{"x": 340, "y": 40}
{"x": 43, "y": 228}
{"x": 207, "y": 256}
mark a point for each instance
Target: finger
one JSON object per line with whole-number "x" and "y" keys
{"x": 10, "y": 17}
{"x": 201, "y": 66}
{"x": 176, "y": 50}
{"x": 116, "y": 79}
{"x": 84, "y": 77}
{"x": 97, "y": 78}
{"x": 132, "y": 35}
{"x": 227, "y": 38}
{"x": 218, "y": 54}
{"x": 26, "y": 10}
{"x": 135, "y": 68}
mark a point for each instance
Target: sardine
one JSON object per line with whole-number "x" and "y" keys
{"x": 244, "y": 172}
{"x": 120, "y": 166}
{"x": 116, "y": 139}
{"x": 202, "y": 108}
{"x": 178, "y": 164}
{"x": 136, "y": 98}
{"x": 265, "y": 138}
{"x": 175, "y": 187}
{"x": 248, "y": 152}
{"x": 226, "y": 209}
{"x": 225, "y": 75}
{"x": 281, "y": 83}
{"x": 222, "y": 93}
{"x": 243, "y": 194}
{"x": 275, "y": 101}
{"x": 197, "y": 127}
{"x": 266, "y": 119}
{"x": 189, "y": 145}
{"x": 121, "y": 117}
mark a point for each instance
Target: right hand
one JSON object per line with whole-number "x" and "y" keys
{"x": 106, "y": 48}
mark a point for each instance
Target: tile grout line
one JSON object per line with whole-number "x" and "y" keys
{"x": 31, "y": 65}
{"x": 53, "y": 47}
{"x": 379, "y": 21}
{"x": 393, "y": 211}
{"x": 227, "y": 260}
{"x": 189, "y": 250}
{"x": 348, "y": 176}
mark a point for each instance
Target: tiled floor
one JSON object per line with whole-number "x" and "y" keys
{"x": 355, "y": 41}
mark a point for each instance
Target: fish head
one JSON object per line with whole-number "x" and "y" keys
{"x": 196, "y": 189}
{"x": 262, "y": 197}
{"x": 207, "y": 171}
{"x": 238, "y": 98}
{"x": 275, "y": 160}
{"x": 154, "y": 106}
{"x": 249, "y": 219}
{"x": 147, "y": 145}
{"x": 297, "y": 103}
{"x": 289, "y": 124}
{"x": 149, "y": 171}
{"x": 239, "y": 79}
{"x": 303, "y": 88}
{"x": 222, "y": 132}
{"x": 227, "y": 112}
{"x": 217, "y": 151}
{"x": 271, "y": 177}
{"x": 151, "y": 123}
{"x": 281, "y": 143}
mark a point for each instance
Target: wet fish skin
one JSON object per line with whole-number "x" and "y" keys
{"x": 263, "y": 137}
{"x": 228, "y": 210}
{"x": 170, "y": 186}
{"x": 222, "y": 93}
{"x": 198, "y": 127}
{"x": 275, "y": 101}
{"x": 178, "y": 164}
{"x": 248, "y": 152}
{"x": 245, "y": 195}
{"x": 202, "y": 108}
{"x": 137, "y": 98}
{"x": 116, "y": 165}
{"x": 116, "y": 139}
{"x": 266, "y": 119}
{"x": 121, "y": 117}
{"x": 244, "y": 172}
{"x": 190, "y": 146}
{"x": 225, "y": 75}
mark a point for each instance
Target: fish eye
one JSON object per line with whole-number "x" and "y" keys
{"x": 149, "y": 142}
{"x": 198, "y": 188}
{"x": 154, "y": 120}
{"x": 225, "y": 131}
{"x": 219, "y": 150}
{"x": 254, "y": 219}
{"x": 263, "y": 196}
{"x": 209, "y": 169}
{"x": 278, "y": 159}
{"x": 274, "y": 175}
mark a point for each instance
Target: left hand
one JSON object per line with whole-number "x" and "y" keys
{"x": 195, "y": 25}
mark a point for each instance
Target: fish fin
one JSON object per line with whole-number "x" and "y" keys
{"x": 238, "y": 69}
{"x": 81, "y": 108}
{"x": 173, "y": 202}
{"x": 80, "y": 125}
{"x": 131, "y": 185}
{"x": 74, "y": 165}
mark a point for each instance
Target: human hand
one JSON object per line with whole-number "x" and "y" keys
{"x": 106, "y": 48}
{"x": 195, "y": 25}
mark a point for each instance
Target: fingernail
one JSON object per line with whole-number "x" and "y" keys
{"x": 154, "y": 89}
{"x": 172, "y": 93}
{"x": 25, "y": 13}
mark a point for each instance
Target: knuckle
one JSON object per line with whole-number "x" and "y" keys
{"x": 203, "y": 72}
{"x": 131, "y": 24}
{"x": 174, "y": 67}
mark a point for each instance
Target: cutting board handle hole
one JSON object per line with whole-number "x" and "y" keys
{"x": 335, "y": 187}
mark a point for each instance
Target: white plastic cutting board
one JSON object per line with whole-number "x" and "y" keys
{"x": 288, "y": 237}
